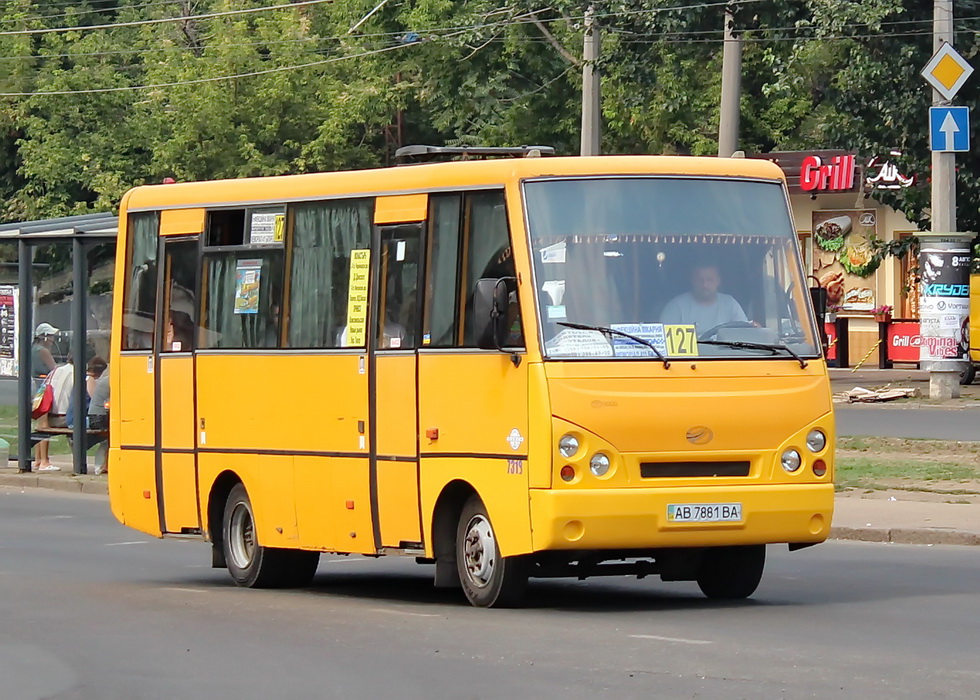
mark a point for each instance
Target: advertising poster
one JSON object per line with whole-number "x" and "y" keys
{"x": 944, "y": 299}
{"x": 357, "y": 298}
{"x": 844, "y": 259}
{"x": 248, "y": 273}
{"x": 9, "y": 298}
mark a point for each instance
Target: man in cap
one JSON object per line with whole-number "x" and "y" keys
{"x": 43, "y": 364}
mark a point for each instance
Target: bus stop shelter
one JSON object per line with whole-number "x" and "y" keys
{"x": 75, "y": 247}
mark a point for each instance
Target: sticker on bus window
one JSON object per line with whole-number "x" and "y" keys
{"x": 556, "y": 313}
{"x": 651, "y": 332}
{"x": 248, "y": 274}
{"x": 266, "y": 227}
{"x": 357, "y": 297}
{"x": 682, "y": 340}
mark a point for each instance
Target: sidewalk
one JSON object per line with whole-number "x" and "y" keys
{"x": 900, "y": 516}
{"x": 905, "y": 517}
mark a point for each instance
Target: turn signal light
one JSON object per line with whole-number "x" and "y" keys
{"x": 567, "y": 472}
{"x": 819, "y": 467}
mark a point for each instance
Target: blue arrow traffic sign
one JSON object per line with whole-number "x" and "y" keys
{"x": 949, "y": 129}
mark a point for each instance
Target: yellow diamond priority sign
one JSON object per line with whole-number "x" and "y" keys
{"x": 947, "y": 71}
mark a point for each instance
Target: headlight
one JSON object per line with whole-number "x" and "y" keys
{"x": 568, "y": 445}
{"x": 816, "y": 441}
{"x": 791, "y": 460}
{"x": 599, "y": 464}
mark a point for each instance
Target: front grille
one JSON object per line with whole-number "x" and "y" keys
{"x": 654, "y": 470}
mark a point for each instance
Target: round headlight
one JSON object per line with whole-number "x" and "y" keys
{"x": 791, "y": 460}
{"x": 816, "y": 441}
{"x": 599, "y": 464}
{"x": 568, "y": 445}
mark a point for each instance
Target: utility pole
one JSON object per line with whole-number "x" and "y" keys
{"x": 591, "y": 95}
{"x": 943, "y": 164}
{"x": 731, "y": 86}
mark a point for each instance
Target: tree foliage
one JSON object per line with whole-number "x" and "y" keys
{"x": 334, "y": 85}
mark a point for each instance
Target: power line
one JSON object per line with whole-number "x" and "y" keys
{"x": 144, "y": 22}
{"x": 199, "y": 81}
{"x": 80, "y": 13}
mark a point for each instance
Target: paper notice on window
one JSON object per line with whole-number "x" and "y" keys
{"x": 651, "y": 332}
{"x": 573, "y": 342}
{"x": 266, "y": 228}
{"x": 357, "y": 298}
{"x": 248, "y": 274}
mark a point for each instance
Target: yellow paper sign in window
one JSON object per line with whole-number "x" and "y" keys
{"x": 279, "y": 228}
{"x": 357, "y": 298}
{"x": 681, "y": 340}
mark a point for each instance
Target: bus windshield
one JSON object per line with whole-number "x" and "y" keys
{"x": 667, "y": 267}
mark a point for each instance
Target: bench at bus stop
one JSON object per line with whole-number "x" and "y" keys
{"x": 93, "y": 436}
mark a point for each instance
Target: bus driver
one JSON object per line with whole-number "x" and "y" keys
{"x": 704, "y": 305}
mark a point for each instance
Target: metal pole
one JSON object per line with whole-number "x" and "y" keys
{"x": 591, "y": 95}
{"x": 79, "y": 261}
{"x": 731, "y": 87}
{"x": 25, "y": 338}
{"x": 942, "y": 384}
{"x": 943, "y": 164}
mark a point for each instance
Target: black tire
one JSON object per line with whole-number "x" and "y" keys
{"x": 488, "y": 579}
{"x": 301, "y": 566}
{"x": 250, "y": 564}
{"x": 968, "y": 375}
{"x": 731, "y": 573}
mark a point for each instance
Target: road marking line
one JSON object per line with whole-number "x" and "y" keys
{"x": 182, "y": 590}
{"x": 54, "y": 517}
{"x": 403, "y": 612}
{"x": 120, "y": 544}
{"x": 344, "y": 561}
{"x": 678, "y": 640}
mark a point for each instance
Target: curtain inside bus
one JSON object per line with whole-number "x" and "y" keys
{"x": 324, "y": 234}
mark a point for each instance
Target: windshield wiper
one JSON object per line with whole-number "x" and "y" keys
{"x": 756, "y": 346}
{"x": 612, "y": 331}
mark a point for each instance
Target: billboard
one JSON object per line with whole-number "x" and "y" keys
{"x": 844, "y": 258}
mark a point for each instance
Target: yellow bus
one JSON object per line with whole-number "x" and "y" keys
{"x": 508, "y": 368}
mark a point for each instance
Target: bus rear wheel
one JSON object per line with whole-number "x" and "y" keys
{"x": 250, "y": 564}
{"x": 731, "y": 573}
{"x": 488, "y": 579}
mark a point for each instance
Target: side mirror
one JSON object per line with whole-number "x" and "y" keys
{"x": 490, "y": 312}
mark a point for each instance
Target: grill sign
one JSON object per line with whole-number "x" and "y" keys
{"x": 835, "y": 176}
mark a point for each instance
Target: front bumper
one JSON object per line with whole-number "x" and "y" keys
{"x": 596, "y": 519}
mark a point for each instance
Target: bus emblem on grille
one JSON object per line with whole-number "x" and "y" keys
{"x": 700, "y": 435}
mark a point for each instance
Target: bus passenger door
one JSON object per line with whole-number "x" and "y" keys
{"x": 395, "y": 324}
{"x": 176, "y": 465}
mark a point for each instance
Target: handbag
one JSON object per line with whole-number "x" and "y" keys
{"x": 43, "y": 398}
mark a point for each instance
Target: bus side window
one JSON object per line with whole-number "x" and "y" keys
{"x": 462, "y": 250}
{"x": 324, "y": 236}
{"x": 139, "y": 311}
{"x": 487, "y": 253}
{"x": 442, "y": 266}
{"x": 241, "y": 283}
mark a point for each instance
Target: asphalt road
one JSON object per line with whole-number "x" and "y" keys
{"x": 90, "y": 609}
{"x": 929, "y": 423}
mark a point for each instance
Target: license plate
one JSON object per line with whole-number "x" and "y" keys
{"x": 704, "y": 512}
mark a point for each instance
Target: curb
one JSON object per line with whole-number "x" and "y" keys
{"x": 905, "y": 535}
{"x": 70, "y": 484}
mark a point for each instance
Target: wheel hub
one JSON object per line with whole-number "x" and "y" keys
{"x": 242, "y": 536}
{"x": 479, "y": 551}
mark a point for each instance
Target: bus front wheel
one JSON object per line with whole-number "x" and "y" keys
{"x": 488, "y": 579}
{"x": 731, "y": 573}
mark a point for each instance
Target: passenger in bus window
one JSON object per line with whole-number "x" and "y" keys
{"x": 704, "y": 306}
